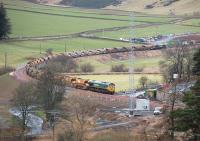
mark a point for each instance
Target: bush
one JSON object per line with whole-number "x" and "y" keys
{"x": 143, "y": 81}
{"x": 119, "y": 68}
{"x": 138, "y": 69}
{"x": 64, "y": 64}
{"x": 87, "y": 68}
{"x": 49, "y": 51}
{"x": 91, "y": 3}
{"x": 196, "y": 13}
{"x": 6, "y": 70}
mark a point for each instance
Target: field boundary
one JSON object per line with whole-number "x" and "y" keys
{"x": 110, "y": 73}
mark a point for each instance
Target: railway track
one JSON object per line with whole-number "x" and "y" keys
{"x": 34, "y": 67}
{"x": 38, "y": 63}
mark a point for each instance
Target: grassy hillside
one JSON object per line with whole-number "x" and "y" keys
{"x": 178, "y": 7}
{"x": 40, "y": 24}
{"x": 154, "y": 30}
{"x": 18, "y": 52}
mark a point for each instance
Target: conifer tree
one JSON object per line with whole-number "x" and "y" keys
{"x": 196, "y": 67}
{"x": 5, "y": 27}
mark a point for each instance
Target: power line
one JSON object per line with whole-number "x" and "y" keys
{"x": 131, "y": 62}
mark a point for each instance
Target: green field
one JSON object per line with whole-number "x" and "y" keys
{"x": 34, "y": 24}
{"x": 90, "y": 13}
{"x": 67, "y": 12}
{"x": 28, "y": 19}
{"x": 19, "y": 51}
{"x": 150, "y": 31}
{"x": 195, "y": 22}
{"x": 122, "y": 81}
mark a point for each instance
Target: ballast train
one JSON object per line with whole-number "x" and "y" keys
{"x": 34, "y": 68}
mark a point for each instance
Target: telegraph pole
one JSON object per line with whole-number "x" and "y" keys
{"x": 5, "y": 59}
{"x": 40, "y": 48}
{"x": 65, "y": 46}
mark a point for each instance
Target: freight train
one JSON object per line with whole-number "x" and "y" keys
{"x": 34, "y": 68}
{"x": 79, "y": 83}
{"x": 93, "y": 85}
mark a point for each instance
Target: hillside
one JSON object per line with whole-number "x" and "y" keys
{"x": 81, "y": 3}
{"x": 160, "y": 6}
{"x": 178, "y": 7}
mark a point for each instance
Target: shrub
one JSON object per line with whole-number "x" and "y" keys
{"x": 138, "y": 69}
{"x": 87, "y": 68}
{"x": 65, "y": 64}
{"x": 196, "y": 13}
{"x": 6, "y": 70}
{"x": 91, "y": 3}
{"x": 119, "y": 68}
{"x": 143, "y": 81}
{"x": 49, "y": 51}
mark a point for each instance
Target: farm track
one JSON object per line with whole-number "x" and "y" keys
{"x": 73, "y": 35}
{"x": 85, "y": 34}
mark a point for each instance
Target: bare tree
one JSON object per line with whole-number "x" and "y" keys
{"x": 68, "y": 64}
{"x": 79, "y": 112}
{"x": 143, "y": 81}
{"x": 119, "y": 68}
{"x": 87, "y": 68}
{"x": 56, "y": 67}
{"x": 177, "y": 60}
{"x": 173, "y": 98}
{"x": 24, "y": 98}
{"x": 50, "y": 92}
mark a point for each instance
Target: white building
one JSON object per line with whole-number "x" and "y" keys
{"x": 142, "y": 104}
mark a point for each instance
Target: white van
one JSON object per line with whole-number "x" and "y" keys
{"x": 158, "y": 111}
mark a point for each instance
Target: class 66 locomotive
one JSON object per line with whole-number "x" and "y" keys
{"x": 93, "y": 85}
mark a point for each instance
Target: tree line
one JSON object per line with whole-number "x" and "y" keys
{"x": 185, "y": 62}
{"x": 91, "y": 3}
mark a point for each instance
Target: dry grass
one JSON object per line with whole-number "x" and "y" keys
{"x": 7, "y": 87}
{"x": 180, "y": 7}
